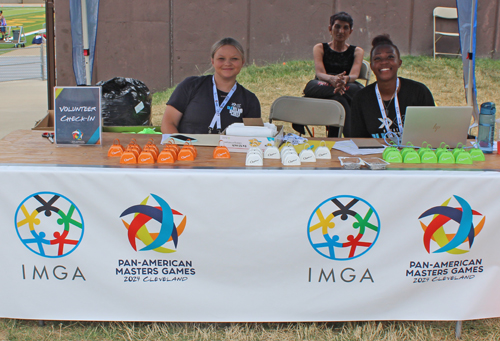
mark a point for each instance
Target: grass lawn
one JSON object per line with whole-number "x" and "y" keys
{"x": 480, "y": 330}
{"x": 442, "y": 76}
{"x": 31, "y": 18}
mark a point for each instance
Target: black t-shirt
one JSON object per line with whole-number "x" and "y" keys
{"x": 194, "y": 98}
{"x": 338, "y": 62}
{"x": 366, "y": 118}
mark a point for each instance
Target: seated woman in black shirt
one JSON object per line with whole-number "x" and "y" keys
{"x": 381, "y": 107}
{"x": 337, "y": 66}
{"x": 208, "y": 104}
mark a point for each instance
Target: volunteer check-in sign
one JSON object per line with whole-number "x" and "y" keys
{"x": 77, "y": 115}
{"x": 85, "y": 243}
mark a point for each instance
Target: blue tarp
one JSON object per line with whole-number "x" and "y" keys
{"x": 467, "y": 24}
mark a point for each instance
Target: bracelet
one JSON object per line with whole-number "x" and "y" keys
{"x": 348, "y": 79}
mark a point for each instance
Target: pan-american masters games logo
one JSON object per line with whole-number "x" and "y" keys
{"x": 49, "y": 224}
{"x": 441, "y": 233}
{"x": 451, "y": 229}
{"x": 154, "y": 226}
{"x": 77, "y": 135}
{"x": 343, "y": 227}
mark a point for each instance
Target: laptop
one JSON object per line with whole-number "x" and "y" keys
{"x": 437, "y": 124}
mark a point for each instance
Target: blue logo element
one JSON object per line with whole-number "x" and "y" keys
{"x": 49, "y": 224}
{"x": 343, "y": 227}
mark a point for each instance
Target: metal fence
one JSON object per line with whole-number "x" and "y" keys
{"x": 23, "y": 63}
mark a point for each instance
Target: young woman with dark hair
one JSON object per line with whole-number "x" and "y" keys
{"x": 381, "y": 107}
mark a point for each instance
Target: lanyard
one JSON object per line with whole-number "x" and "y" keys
{"x": 385, "y": 119}
{"x": 218, "y": 109}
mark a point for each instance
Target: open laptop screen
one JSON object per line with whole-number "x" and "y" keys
{"x": 436, "y": 124}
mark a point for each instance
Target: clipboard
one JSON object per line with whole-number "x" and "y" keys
{"x": 367, "y": 143}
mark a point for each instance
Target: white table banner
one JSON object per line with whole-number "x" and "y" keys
{"x": 85, "y": 243}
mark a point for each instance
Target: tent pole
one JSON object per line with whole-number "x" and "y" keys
{"x": 86, "y": 49}
{"x": 471, "y": 63}
{"x": 51, "y": 59}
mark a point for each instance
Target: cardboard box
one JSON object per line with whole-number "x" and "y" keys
{"x": 240, "y": 144}
{"x": 46, "y": 123}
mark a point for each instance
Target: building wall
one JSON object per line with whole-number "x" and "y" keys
{"x": 162, "y": 41}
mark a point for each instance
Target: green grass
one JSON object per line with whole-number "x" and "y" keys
{"x": 31, "y": 18}
{"x": 332, "y": 331}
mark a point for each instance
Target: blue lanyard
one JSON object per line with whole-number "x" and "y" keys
{"x": 385, "y": 120}
{"x": 218, "y": 108}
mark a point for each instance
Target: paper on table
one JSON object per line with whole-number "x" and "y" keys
{"x": 350, "y": 147}
{"x": 165, "y": 138}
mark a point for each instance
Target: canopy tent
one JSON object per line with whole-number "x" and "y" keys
{"x": 83, "y": 14}
{"x": 467, "y": 23}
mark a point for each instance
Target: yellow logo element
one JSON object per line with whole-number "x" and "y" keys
{"x": 254, "y": 142}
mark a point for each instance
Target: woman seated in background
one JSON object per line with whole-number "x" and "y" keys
{"x": 380, "y": 107}
{"x": 337, "y": 66}
{"x": 208, "y": 104}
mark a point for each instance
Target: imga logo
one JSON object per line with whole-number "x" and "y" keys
{"x": 451, "y": 229}
{"x": 154, "y": 226}
{"x": 49, "y": 224}
{"x": 343, "y": 227}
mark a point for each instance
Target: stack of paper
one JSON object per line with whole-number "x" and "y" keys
{"x": 350, "y": 147}
{"x": 239, "y": 129}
